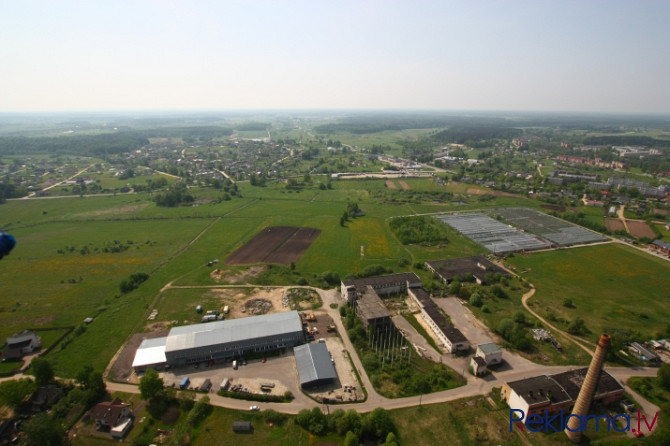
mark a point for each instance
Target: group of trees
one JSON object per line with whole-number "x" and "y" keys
{"x": 352, "y": 211}
{"x": 79, "y": 144}
{"x": 175, "y": 196}
{"x": 48, "y": 428}
{"x": 514, "y": 331}
{"x": 132, "y": 282}
{"x": 168, "y": 405}
{"x": 419, "y": 229}
{"x": 375, "y": 427}
{"x": 8, "y": 190}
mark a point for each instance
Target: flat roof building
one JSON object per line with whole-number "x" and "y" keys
{"x": 490, "y": 353}
{"x": 451, "y": 337}
{"x": 383, "y": 285}
{"x": 479, "y": 267}
{"x": 371, "y": 310}
{"x": 555, "y": 392}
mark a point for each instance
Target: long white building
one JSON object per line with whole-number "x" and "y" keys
{"x": 190, "y": 344}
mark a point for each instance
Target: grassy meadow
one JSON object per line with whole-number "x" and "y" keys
{"x": 59, "y": 273}
{"x": 611, "y": 286}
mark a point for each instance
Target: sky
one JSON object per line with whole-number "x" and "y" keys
{"x": 535, "y": 55}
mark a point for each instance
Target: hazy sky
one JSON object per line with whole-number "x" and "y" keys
{"x": 611, "y": 56}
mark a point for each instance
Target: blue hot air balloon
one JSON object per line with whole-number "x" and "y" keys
{"x": 7, "y": 243}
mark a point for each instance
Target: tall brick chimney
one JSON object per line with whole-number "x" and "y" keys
{"x": 585, "y": 397}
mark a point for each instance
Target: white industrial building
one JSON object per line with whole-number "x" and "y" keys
{"x": 490, "y": 353}
{"x": 220, "y": 340}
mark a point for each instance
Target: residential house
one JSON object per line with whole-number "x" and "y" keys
{"x": 21, "y": 344}
{"x": 113, "y": 416}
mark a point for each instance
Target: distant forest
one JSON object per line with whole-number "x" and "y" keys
{"x": 626, "y": 140}
{"x": 381, "y": 123}
{"x": 373, "y": 123}
{"x": 106, "y": 143}
{"x": 463, "y": 134}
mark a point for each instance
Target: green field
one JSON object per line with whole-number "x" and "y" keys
{"x": 59, "y": 273}
{"x": 612, "y": 286}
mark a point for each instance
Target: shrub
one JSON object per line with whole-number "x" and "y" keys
{"x": 476, "y": 299}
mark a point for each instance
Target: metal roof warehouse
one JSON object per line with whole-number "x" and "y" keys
{"x": 224, "y": 339}
{"x": 314, "y": 365}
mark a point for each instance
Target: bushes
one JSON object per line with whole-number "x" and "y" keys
{"x": 422, "y": 229}
{"x": 199, "y": 412}
{"x": 285, "y": 398}
{"x": 374, "y": 270}
{"x": 577, "y": 326}
{"x": 476, "y": 299}
{"x": 373, "y": 427}
{"x": 132, "y": 282}
{"x": 514, "y": 333}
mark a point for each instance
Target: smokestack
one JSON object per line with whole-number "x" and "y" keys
{"x": 585, "y": 398}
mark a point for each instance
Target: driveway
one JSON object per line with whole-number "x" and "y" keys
{"x": 478, "y": 333}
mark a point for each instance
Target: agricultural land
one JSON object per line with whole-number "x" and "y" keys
{"x": 121, "y": 236}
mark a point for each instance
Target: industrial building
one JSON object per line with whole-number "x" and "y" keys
{"x": 479, "y": 267}
{"x": 315, "y": 366}
{"x": 490, "y": 353}
{"x": 371, "y": 310}
{"x": 555, "y": 392}
{"x": 452, "y": 338}
{"x": 383, "y": 285}
{"x": 220, "y": 340}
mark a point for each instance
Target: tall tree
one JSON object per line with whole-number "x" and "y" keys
{"x": 43, "y": 371}
{"x": 43, "y": 430}
{"x": 151, "y": 384}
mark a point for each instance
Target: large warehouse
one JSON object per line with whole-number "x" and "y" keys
{"x": 315, "y": 366}
{"x": 219, "y": 340}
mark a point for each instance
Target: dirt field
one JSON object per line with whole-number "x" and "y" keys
{"x": 553, "y": 207}
{"x": 404, "y": 185}
{"x": 225, "y": 276}
{"x": 277, "y": 244}
{"x": 614, "y": 224}
{"x": 640, "y": 229}
{"x": 237, "y": 300}
{"x": 497, "y": 193}
{"x": 390, "y": 184}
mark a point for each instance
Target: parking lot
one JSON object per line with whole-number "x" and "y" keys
{"x": 277, "y": 370}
